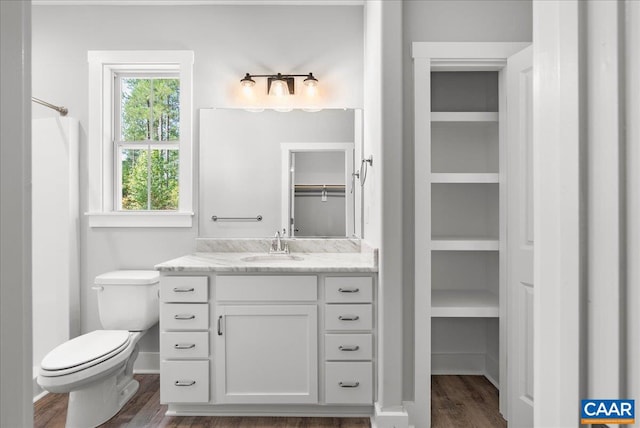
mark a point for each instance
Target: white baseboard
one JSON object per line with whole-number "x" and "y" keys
{"x": 493, "y": 370}
{"x": 492, "y": 380}
{"x": 396, "y": 417}
{"x": 458, "y": 364}
{"x": 147, "y": 363}
{"x": 38, "y": 392}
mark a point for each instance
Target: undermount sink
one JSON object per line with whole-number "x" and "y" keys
{"x": 272, "y": 258}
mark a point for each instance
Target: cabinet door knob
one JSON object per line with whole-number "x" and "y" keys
{"x": 184, "y": 345}
{"x": 185, "y": 382}
{"x": 184, "y": 317}
{"x": 348, "y": 290}
{"x": 349, "y": 384}
{"x": 348, "y": 317}
{"x": 348, "y": 347}
{"x": 183, "y": 290}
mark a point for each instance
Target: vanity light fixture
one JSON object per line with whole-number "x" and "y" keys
{"x": 279, "y": 84}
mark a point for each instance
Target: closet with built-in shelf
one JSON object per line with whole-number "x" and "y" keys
{"x": 465, "y": 214}
{"x": 460, "y": 214}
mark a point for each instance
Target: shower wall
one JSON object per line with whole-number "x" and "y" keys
{"x": 55, "y": 235}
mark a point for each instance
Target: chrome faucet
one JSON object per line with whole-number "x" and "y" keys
{"x": 276, "y": 245}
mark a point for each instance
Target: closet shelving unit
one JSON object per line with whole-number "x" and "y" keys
{"x": 464, "y": 180}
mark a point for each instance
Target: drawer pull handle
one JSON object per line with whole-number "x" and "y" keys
{"x": 348, "y": 347}
{"x": 183, "y": 317}
{"x": 348, "y": 290}
{"x": 220, "y": 325}
{"x": 184, "y": 345}
{"x": 349, "y": 384}
{"x": 183, "y": 290}
{"x": 348, "y": 317}
{"x": 185, "y": 382}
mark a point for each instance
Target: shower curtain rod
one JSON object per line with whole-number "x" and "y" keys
{"x": 62, "y": 110}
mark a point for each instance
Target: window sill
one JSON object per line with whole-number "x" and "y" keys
{"x": 140, "y": 219}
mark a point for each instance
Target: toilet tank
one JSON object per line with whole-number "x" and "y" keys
{"x": 128, "y": 299}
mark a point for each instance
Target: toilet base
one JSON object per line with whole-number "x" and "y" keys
{"x": 96, "y": 404}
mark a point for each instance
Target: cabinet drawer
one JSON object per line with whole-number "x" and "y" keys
{"x": 348, "y": 346}
{"x": 347, "y": 317}
{"x": 184, "y": 381}
{"x": 242, "y": 288}
{"x": 184, "y": 316}
{"x": 184, "y": 289}
{"x": 187, "y": 344}
{"x": 349, "y": 383}
{"x": 342, "y": 289}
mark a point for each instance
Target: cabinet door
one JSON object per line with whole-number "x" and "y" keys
{"x": 267, "y": 354}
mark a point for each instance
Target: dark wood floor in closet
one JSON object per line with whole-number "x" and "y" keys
{"x": 458, "y": 401}
{"x": 464, "y": 401}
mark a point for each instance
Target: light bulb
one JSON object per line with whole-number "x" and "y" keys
{"x": 247, "y": 90}
{"x": 279, "y": 88}
{"x": 311, "y": 90}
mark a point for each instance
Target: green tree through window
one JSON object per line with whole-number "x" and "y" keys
{"x": 149, "y": 133}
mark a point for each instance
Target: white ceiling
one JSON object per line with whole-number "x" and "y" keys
{"x": 198, "y": 2}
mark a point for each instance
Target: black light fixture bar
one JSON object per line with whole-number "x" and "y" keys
{"x": 280, "y": 75}
{"x": 310, "y": 80}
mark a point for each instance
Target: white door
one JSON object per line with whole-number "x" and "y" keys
{"x": 520, "y": 287}
{"x": 266, "y": 354}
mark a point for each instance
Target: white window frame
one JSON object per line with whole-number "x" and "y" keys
{"x": 103, "y": 209}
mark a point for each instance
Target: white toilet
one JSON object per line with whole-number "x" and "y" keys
{"x": 97, "y": 368}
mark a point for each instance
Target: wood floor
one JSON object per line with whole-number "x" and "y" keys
{"x": 457, "y": 401}
{"x": 464, "y": 401}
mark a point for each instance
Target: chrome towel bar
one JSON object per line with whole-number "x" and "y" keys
{"x": 256, "y": 218}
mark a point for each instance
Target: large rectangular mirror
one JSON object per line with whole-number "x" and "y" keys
{"x": 262, "y": 172}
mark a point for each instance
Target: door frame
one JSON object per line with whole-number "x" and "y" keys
{"x": 448, "y": 57}
{"x": 287, "y": 149}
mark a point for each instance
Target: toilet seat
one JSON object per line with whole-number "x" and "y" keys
{"x": 71, "y": 379}
{"x": 84, "y": 351}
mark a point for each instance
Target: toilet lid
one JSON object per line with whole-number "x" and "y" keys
{"x": 128, "y": 277}
{"x": 85, "y": 348}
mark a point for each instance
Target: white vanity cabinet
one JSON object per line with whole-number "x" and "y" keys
{"x": 296, "y": 343}
{"x": 265, "y": 350}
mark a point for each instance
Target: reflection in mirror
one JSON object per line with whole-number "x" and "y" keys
{"x": 243, "y": 173}
{"x": 318, "y": 190}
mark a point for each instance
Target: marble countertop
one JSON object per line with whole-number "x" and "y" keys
{"x": 307, "y": 262}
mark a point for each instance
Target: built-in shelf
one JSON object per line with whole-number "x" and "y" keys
{"x": 464, "y": 304}
{"x": 464, "y": 178}
{"x": 471, "y": 116}
{"x": 461, "y": 244}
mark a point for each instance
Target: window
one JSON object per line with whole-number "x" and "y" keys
{"x": 147, "y": 143}
{"x": 140, "y": 138}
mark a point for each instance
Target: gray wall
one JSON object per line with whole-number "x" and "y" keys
{"x": 228, "y": 41}
{"x": 15, "y": 214}
{"x": 444, "y": 21}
